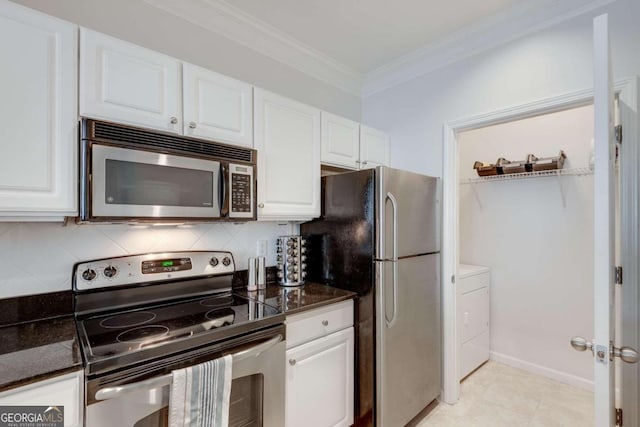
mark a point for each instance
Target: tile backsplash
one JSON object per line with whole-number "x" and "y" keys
{"x": 38, "y": 257}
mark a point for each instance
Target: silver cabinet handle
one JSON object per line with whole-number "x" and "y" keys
{"x": 394, "y": 260}
{"x": 364, "y": 163}
{"x": 117, "y": 391}
{"x": 325, "y": 323}
{"x": 292, "y": 362}
{"x": 192, "y": 125}
{"x": 173, "y": 120}
{"x": 261, "y": 205}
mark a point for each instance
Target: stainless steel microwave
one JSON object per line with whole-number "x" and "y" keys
{"x": 136, "y": 175}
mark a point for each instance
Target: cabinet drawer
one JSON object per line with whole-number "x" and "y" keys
{"x": 310, "y": 325}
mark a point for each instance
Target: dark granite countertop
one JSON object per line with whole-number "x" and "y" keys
{"x": 38, "y": 339}
{"x": 291, "y": 300}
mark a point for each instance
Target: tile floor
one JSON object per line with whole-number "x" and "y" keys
{"x": 498, "y": 395}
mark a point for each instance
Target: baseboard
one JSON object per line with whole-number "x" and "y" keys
{"x": 553, "y": 374}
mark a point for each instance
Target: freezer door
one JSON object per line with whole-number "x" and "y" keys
{"x": 408, "y": 203}
{"x": 408, "y": 344}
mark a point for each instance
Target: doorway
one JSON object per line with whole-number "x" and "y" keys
{"x": 627, "y": 91}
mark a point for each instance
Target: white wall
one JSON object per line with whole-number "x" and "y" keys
{"x": 148, "y": 26}
{"x": 554, "y": 61}
{"x": 38, "y": 257}
{"x": 539, "y": 251}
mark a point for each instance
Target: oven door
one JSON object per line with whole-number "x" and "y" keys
{"x": 257, "y": 390}
{"x": 128, "y": 183}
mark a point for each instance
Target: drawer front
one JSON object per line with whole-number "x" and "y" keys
{"x": 473, "y": 314}
{"x": 307, "y": 326}
{"x": 473, "y": 354}
{"x": 471, "y": 283}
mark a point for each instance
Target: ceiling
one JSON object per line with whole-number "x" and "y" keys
{"x": 366, "y": 34}
{"x": 366, "y": 46}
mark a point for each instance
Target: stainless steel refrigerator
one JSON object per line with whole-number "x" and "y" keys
{"x": 379, "y": 235}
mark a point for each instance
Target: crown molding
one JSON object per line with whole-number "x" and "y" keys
{"x": 499, "y": 29}
{"x": 227, "y": 20}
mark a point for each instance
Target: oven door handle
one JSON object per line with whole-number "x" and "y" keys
{"x": 113, "y": 392}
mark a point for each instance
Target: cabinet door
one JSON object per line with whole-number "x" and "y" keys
{"x": 217, "y": 107}
{"x": 38, "y": 106}
{"x": 126, "y": 83}
{"x": 287, "y": 137}
{"x": 340, "y": 141}
{"x": 320, "y": 380}
{"x": 64, "y": 390}
{"x": 374, "y": 148}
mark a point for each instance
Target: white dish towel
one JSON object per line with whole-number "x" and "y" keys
{"x": 200, "y": 394}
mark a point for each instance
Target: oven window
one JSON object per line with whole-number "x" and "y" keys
{"x": 245, "y": 408}
{"x": 131, "y": 183}
{"x": 157, "y": 419}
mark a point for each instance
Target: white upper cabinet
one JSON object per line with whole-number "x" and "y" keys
{"x": 126, "y": 83}
{"x": 287, "y": 137}
{"x": 374, "y": 148}
{"x": 38, "y": 106}
{"x": 340, "y": 141}
{"x": 217, "y": 107}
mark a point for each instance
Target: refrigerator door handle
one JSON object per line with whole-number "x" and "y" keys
{"x": 394, "y": 260}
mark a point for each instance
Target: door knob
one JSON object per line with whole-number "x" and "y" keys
{"x": 627, "y": 354}
{"x": 192, "y": 125}
{"x": 292, "y": 362}
{"x": 581, "y": 344}
{"x": 173, "y": 120}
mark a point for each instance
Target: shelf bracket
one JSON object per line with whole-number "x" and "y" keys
{"x": 475, "y": 194}
{"x": 562, "y": 193}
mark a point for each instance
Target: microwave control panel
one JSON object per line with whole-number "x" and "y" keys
{"x": 242, "y": 191}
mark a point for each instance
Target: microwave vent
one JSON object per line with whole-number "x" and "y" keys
{"x": 169, "y": 143}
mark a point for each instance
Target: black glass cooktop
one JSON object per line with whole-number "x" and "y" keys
{"x": 114, "y": 334}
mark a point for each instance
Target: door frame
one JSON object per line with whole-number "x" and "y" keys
{"x": 627, "y": 90}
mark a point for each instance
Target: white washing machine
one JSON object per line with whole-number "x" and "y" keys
{"x": 473, "y": 316}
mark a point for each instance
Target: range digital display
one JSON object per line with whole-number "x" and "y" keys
{"x": 166, "y": 265}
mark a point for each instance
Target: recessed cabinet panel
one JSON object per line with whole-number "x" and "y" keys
{"x": 126, "y": 83}
{"x": 38, "y": 136}
{"x": 374, "y": 148}
{"x": 64, "y": 390}
{"x": 217, "y": 107}
{"x": 287, "y": 137}
{"x": 340, "y": 141}
{"x": 320, "y": 380}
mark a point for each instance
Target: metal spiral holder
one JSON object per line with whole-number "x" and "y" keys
{"x": 291, "y": 257}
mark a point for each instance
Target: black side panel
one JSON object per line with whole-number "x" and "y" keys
{"x": 341, "y": 253}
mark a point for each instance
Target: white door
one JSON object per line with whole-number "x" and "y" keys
{"x": 319, "y": 386}
{"x": 287, "y": 137}
{"x": 38, "y": 106}
{"x": 374, "y": 148}
{"x": 217, "y": 107}
{"x": 340, "y": 141}
{"x": 122, "y": 82}
{"x": 603, "y": 346}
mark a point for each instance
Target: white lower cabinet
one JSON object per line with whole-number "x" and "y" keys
{"x": 320, "y": 372}
{"x": 62, "y": 391}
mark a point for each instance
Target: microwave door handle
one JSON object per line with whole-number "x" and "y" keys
{"x": 224, "y": 190}
{"x": 165, "y": 380}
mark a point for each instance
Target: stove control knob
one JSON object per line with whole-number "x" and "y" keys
{"x": 110, "y": 271}
{"x": 214, "y": 261}
{"x": 226, "y": 261}
{"x": 89, "y": 274}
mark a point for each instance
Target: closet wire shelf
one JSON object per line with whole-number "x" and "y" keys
{"x": 527, "y": 175}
